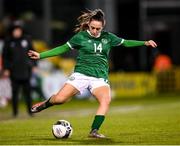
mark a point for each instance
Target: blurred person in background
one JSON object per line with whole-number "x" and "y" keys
{"x": 1, "y": 44}
{"x": 91, "y": 69}
{"x": 17, "y": 65}
{"x": 162, "y": 63}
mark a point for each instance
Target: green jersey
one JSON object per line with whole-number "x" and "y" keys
{"x": 93, "y": 52}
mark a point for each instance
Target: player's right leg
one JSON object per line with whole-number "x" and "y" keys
{"x": 103, "y": 96}
{"x": 61, "y": 97}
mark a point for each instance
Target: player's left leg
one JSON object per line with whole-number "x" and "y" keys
{"x": 103, "y": 96}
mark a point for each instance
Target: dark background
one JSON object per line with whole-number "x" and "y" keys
{"x": 53, "y": 21}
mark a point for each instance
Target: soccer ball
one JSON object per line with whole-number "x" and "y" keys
{"x": 62, "y": 129}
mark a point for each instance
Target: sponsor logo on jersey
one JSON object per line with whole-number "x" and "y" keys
{"x": 89, "y": 41}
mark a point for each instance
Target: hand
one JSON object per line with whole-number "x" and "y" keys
{"x": 6, "y": 73}
{"x": 33, "y": 54}
{"x": 151, "y": 43}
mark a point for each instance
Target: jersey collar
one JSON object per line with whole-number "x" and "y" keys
{"x": 92, "y": 35}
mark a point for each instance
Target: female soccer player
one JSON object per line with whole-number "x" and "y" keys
{"x": 91, "y": 69}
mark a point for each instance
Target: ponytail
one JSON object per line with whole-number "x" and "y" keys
{"x": 86, "y": 17}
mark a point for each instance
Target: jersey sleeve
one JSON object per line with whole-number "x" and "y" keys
{"x": 115, "y": 40}
{"x": 74, "y": 42}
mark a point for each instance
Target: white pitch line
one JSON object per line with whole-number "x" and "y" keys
{"x": 115, "y": 109}
{"x": 86, "y": 112}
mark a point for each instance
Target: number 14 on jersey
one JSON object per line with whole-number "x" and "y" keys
{"x": 97, "y": 48}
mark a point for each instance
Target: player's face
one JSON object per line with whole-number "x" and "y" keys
{"x": 95, "y": 27}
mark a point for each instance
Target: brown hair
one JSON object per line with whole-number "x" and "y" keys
{"x": 86, "y": 17}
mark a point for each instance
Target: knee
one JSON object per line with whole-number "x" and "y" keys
{"x": 106, "y": 101}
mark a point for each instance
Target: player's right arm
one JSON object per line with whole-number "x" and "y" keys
{"x": 50, "y": 53}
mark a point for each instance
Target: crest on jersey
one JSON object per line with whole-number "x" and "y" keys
{"x": 104, "y": 41}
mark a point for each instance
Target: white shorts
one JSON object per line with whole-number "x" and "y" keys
{"x": 83, "y": 82}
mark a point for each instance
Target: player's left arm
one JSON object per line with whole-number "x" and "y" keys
{"x": 134, "y": 43}
{"x": 151, "y": 43}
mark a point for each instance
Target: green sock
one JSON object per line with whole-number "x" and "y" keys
{"x": 47, "y": 103}
{"x": 98, "y": 120}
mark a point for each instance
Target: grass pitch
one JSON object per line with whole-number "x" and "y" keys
{"x": 149, "y": 120}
